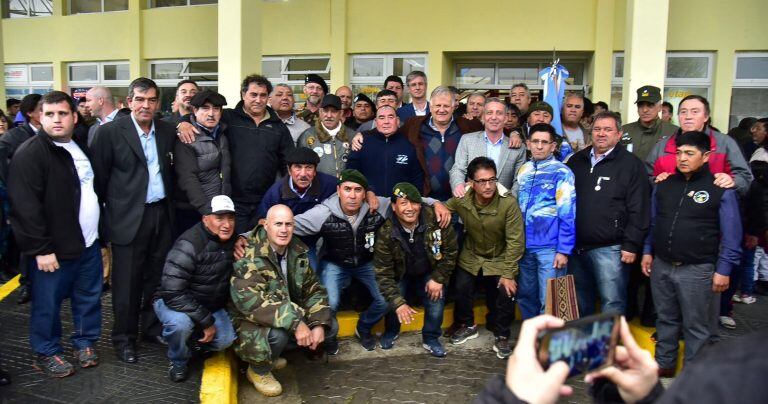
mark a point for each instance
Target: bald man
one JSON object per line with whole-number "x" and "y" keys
{"x": 266, "y": 314}
{"x": 99, "y": 100}
{"x": 345, "y": 94}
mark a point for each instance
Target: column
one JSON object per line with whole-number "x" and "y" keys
{"x": 138, "y": 66}
{"x": 339, "y": 59}
{"x": 438, "y": 70}
{"x": 602, "y": 59}
{"x": 239, "y": 28}
{"x": 645, "y": 50}
{"x": 722, "y": 87}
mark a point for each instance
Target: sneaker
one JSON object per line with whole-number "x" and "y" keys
{"x": 53, "y": 366}
{"x": 367, "y": 341}
{"x": 448, "y": 333}
{"x": 280, "y": 363}
{"x": 747, "y": 299}
{"x": 331, "y": 346}
{"x": 264, "y": 384}
{"x": 178, "y": 373}
{"x": 463, "y": 334}
{"x": 727, "y": 322}
{"x": 502, "y": 348}
{"x": 736, "y": 298}
{"x": 387, "y": 341}
{"x": 87, "y": 357}
{"x": 435, "y": 348}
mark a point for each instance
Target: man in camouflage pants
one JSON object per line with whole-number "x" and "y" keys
{"x": 276, "y": 297}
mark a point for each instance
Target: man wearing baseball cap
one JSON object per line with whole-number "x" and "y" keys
{"x": 329, "y": 138}
{"x": 640, "y": 136}
{"x": 414, "y": 253}
{"x": 192, "y": 297}
{"x": 315, "y": 88}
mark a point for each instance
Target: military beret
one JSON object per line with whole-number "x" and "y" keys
{"x": 216, "y": 99}
{"x": 540, "y": 106}
{"x": 302, "y": 155}
{"x": 364, "y": 98}
{"x": 406, "y": 190}
{"x": 313, "y": 78}
{"x": 351, "y": 175}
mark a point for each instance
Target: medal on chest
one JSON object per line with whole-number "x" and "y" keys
{"x": 369, "y": 240}
{"x": 437, "y": 241}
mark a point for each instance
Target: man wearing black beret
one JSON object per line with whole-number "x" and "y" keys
{"x": 315, "y": 88}
{"x": 363, "y": 110}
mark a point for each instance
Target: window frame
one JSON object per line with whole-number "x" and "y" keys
{"x": 6, "y": 5}
{"x": 100, "y": 80}
{"x": 69, "y": 3}
{"x": 184, "y": 68}
{"x": 748, "y": 83}
{"x": 151, "y": 4}
{"x": 284, "y": 73}
{"x": 497, "y": 61}
{"x": 29, "y": 82}
{"x": 388, "y": 60}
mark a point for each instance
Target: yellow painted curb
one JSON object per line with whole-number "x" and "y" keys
{"x": 219, "y": 384}
{"x": 642, "y": 336}
{"x": 9, "y": 287}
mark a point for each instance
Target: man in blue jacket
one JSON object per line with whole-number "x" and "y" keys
{"x": 547, "y": 198}
{"x": 387, "y": 157}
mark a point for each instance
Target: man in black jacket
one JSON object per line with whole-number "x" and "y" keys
{"x": 133, "y": 159}
{"x": 192, "y": 296}
{"x": 55, "y": 215}
{"x": 612, "y": 214}
{"x": 694, "y": 243}
{"x": 258, "y": 141}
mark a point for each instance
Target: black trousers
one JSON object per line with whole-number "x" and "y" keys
{"x": 245, "y": 216}
{"x": 501, "y": 308}
{"x": 136, "y": 271}
{"x": 637, "y": 282}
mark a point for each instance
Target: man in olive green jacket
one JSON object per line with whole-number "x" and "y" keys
{"x": 276, "y": 297}
{"x": 413, "y": 253}
{"x": 640, "y": 136}
{"x": 494, "y": 244}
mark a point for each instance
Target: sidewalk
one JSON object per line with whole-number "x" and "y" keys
{"x": 110, "y": 382}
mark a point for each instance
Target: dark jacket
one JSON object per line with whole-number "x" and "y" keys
{"x": 122, "y": 174}
{"x": 323, "y": 186}
{"x": 693, "y": 221}
{"x": 406, "y": 112}
{"x": 613, "y": 203}
{"x": 203, "y": 169}
{"x": 386, "y": 161}
{"x": 44, "y": 191}
{"x": 9, "y": 143}
{"x": 391, "y": 251}
{"x": 196, "y": 275}
{"x": 257, "y": 151}
{"x": 413, "y": 132}
{"x": 756, "y": 203}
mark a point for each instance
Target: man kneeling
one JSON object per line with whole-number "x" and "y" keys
{"x": 193, "y": 289}
{"x": 414, "y": 253}
{"x": 276, "y": 296}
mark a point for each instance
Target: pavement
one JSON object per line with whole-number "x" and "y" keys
{"x": 111, "y": 381}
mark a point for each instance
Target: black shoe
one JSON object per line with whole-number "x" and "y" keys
{"x": 367, "y": 341}
{"x": 331, "y": 346}
{"x": 126, "y": 353}
{"x": 24, "y": 294}
{"x": 154, "y": 339}
{"x": 502, "y": 348}
{"x": 5, "y": 378}
{"x": 177, "y": 373}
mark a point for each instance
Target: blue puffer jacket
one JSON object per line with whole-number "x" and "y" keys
{"x": 547, "y": 200}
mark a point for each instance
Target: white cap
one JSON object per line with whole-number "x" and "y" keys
{"x": 222, "y": 204}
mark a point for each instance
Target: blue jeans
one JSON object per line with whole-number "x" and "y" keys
{"x": 742, "y": 279}
{"x": 178, "y": 328}
{"x": 601, "y": 269}
{"x": 336, "y": 278}
{"x": 535, "y": 269}
{"x": 79, "y": 279}
{"x": 433, "y": 310}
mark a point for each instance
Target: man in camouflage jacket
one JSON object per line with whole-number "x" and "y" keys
{"x": 276, "y": 297}
{"x": 413, "y": 253}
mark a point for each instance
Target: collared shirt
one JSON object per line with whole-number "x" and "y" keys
{"x": 295, "y": 191}
{"x": 421, "y": 112}
{"x": 155, "y": 186}
{"x": 596, "y": 159}
{"x": 432, "y": 125}
{"x": 34, "y": 129}
{"x": 493, "y": 150}
{"x": 108, "y": 118}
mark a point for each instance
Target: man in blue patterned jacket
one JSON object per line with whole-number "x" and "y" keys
{"x": 548, "y": 202}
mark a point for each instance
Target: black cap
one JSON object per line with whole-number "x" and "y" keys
{"x": 364, "y": 98}
{"x": 650, "y": 94}
{"x": 313, "y": 78}
{"x": 216, "y": 99}
{"x": 302, "y": 155}
{"x": 330, "y": 100}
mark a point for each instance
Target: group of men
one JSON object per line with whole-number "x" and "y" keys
{"x": 381, "y": 192}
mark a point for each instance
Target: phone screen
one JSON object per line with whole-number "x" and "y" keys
{"x": 585, "y": 345}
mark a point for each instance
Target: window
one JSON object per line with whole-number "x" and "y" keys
{"x": 27, "y": 8}
{"x": 97, "y": 6}
{"x": 501, "y": 75}
{"x": 168, "y": 73}
{"x": 21, "y": 80}
{"x": 749, "y": 96}
{"x": 291, "y": 70}
{"x": 178, "y": 3}
{"x": 99, "y": 73}
{"x": 369, "y": 71}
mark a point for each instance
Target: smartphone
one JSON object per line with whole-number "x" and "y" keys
{"x": 586, "y": 344}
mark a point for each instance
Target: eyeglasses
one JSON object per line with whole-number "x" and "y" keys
{"x": 540, "y": 142}
{"x": 490, "y": 181}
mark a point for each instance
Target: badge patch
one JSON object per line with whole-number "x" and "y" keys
{"x": 401, "y": 159}
{"x": 310, "y": 141}
{"x": 701, "y": 197}
{"x": 327, "y": 149}
{"x": 318, "y": 150}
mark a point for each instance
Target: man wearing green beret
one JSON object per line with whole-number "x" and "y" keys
{"x": 414, "y": 253}
{"x": 494, "y": 243}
